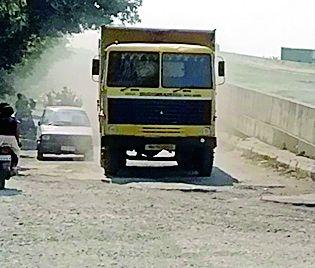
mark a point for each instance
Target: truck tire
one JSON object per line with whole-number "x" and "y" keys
{"x": 113, "y": 159}
{"x": 205, "y": 162}
{"x": 185, "y": 160}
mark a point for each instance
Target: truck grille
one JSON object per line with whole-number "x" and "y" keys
{"x": 159, "y": 112}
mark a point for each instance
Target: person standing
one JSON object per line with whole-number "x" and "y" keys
{"x": 21, "y": 106}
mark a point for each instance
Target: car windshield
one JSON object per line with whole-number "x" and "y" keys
{"x": 66, "y": 118}
{"x": 187, "y": 71}
{"x": 133, "y": 69}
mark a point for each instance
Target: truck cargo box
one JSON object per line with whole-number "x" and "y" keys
{"x": 112, "y": 35}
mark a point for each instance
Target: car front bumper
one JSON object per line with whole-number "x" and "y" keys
{"x": 65, "y": 144}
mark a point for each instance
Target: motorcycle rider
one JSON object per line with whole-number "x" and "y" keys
{"x": 9, "y": 134}
{"x": 24, "y": 115}
{"x": 32, "y": 104}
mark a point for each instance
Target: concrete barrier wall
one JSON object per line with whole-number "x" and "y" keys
{"x": 272, "y": 119}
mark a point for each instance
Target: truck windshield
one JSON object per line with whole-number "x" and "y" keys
{"x": 186, "y": 71}
{"x": 133, "y": 69}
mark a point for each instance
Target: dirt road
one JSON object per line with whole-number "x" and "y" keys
{"x": 60, "y": 214}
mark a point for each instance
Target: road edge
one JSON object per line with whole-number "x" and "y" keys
{"x": 252, "y": 147}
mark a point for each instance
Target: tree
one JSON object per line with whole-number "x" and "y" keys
{"x": 30, "y": 26}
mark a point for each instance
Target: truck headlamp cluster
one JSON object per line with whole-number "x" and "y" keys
{"x": 112, "y": 130}
{"x": 206, "y": 131}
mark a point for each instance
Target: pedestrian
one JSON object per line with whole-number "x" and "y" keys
{"x": 21, "y": 106}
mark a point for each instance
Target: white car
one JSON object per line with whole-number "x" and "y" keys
{"x": 64, "y": 130}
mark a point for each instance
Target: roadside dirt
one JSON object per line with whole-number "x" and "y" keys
{"x": 60, "y": 214}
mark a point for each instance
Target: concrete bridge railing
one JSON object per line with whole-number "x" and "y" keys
{"x": 275, "y": 120}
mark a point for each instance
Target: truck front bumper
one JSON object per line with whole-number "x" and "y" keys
{"x": 134, "y": 143}
{"x": 157, "y": 131}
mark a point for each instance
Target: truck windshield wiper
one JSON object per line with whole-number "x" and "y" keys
{"x": 124, "y": 89}
{"x": 181, "y": 89}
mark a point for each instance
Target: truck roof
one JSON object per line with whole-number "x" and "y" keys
{"x": 171, "y": 48}
{"x": 112, "y": 35}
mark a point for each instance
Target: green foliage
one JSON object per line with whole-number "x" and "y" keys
{"x": 30, "y": 26}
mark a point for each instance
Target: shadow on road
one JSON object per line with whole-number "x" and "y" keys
{"x": 63, "y": 159}
{"x": 10, "y": 192}
{"x": 31, "y": 154}
{"x": 172, "y": 175}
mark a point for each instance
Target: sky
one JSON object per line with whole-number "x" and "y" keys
{"x": 252, "y": 27}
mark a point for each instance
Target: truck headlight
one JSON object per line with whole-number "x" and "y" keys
{"x": 112, "y": 130}
{"x": 45, "y": 137}
{"x": 206, "y": 131}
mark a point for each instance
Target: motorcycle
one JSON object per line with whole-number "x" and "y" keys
{"x": 7, "y": 169}
{"x": 9, "y": 158}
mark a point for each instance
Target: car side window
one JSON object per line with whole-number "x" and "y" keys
{"x": 47, "y": 115}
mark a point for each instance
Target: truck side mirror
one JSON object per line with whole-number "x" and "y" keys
{"x": 96, "y": 67}
{"x": 221, "y": 69}
{"x": 39, "y": 123}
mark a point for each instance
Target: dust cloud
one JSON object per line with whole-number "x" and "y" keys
{"x": 64, "y": 66}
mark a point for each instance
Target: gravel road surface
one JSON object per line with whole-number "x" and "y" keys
{"x": 60, "y": 214}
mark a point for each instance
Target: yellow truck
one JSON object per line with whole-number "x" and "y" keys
{"x": 157, "y": 91}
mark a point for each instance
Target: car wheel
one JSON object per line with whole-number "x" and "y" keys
{"x": 3, "y": 177}
{"x": 2, "y": 184}
{"x": 40, "y": 155}
{"x": 89, "y": 155}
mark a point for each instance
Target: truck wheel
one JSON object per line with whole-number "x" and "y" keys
{"x": 112, "y": 160}
{"x": 184, "y": 160}
{"x": 205, "y": 163}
